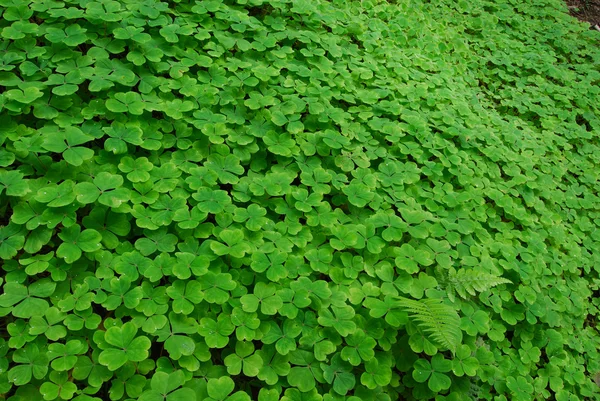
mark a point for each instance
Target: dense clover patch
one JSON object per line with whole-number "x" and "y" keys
{"x": 298, "y": 200}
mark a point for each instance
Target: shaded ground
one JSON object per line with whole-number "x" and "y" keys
{"x": 585, "y": 10}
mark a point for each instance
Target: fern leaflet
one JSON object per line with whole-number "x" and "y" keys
{"x": 471, "y": 281}
{"x": 440, "y": 321}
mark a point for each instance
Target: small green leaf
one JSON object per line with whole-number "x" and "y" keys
{"x": 219, "y": 389}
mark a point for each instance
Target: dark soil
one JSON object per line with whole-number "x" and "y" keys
{"x": 585, "y": 10}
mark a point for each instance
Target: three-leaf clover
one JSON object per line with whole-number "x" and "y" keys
{"x": 64, "y": 356}
{"x": 67, "y": 141}
{"x": 65, "y": 85}
{"x": 221, "y": 388}
{"x": 253, "y": 216}
{"x": 244, "y": 360}
{"x": 73, "y": 35}
{"x": 211, "y": 201}
{"x": 360, "y": 347}
{"x": 49, "y": 325}
{"x": 185, "y": 295}
{"x": 433, "y": 373}
{"x": 520, "y": 388}
{"x": 375, "y": 374}
{"x": 463, "y": 363}
{"x": 58, "y": 386}
{"x": 234, "y": 243}
{"x": 132, "y": 33}
{"x": 12, "y": 240}
{"x": 339, "y": 374}
{"x": 274, "y": 365}
{"x": 216, "y": 287}
{"x": 105, "y": 188}
{"x": 109, "y": 224}
{"x": 136, "y": 169}
{"x": 59, "y": 195}
{"x": 265, "y": 297}
{"x": 75, "y": 242}
{"x": 31, "y": 363}
{"x": 168, "y": 387}
{"x": 305, "y": 372}
{"x": 175, "y": 332}
{"x": 340, "y": 318}
{"x": 27, "y": 301}
{"x": 25, "y": 96}
{"x": 216, "y": 332}
{"x": 272, "y": 263}
{"x": 126, "y": 102}
{"x": 124, "y": 346}
{"x": 284, "y": 339}
{"x": 120, "y": 135}
{"x": 13, "y": 184}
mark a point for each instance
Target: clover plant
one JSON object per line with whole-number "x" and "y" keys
{"x": 234, "y": 200}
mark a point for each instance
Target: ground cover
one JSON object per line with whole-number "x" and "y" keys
{"x": 298, "y": 200}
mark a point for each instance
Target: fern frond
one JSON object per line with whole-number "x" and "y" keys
{"x": 471, "y": 281}
{"x": 440, "y": 321}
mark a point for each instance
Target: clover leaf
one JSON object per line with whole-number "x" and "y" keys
{"x": 66, "y": 141}
{"x": 73, "y": 35}
{"x": 110, "y": 225}
{"x": 126, "y": 102}
{"x": 243, "y": 360}
{"x": 25, "y": 96}
{"x": 13, "y": 184}
{"x": 31, "y": 364}
{"x": 234, "y": 243}
{"x": 49, "y": 325}
{"x": 302, "y": 376}
{"x": 120, "y": 135}
{"x": 27, "y": 301}
{"x": 168, "y": 386}
{"x": 65, "y": 85}
{"x": 340, "y": 375}
{"x": 375, "y": 375}
{"x": 519, "y": 387}
{"x": 76, "y": 241}
{"x": 274, "y": 365}
{"x": 433, "y": 372}
{"x": 59, "y": 195}
{"x": 59, "y": 385}
{"x": 124, "y": 346}
{"x": 210, "y": 201}
{"x": 216, "y": 287}
{"x": 264, "y": 297}
{"x": 160, "y": 240}
{"x": 185, "y": 296}
{"x": 63, "y": 357}
{"x": 284, "y": 339}
{"x": 219, "y": 389}
{"x": 271, "y": 262}
{"x": 216, "y": 332}
{"x": 133, "y": 33}
{"x": 360, "y": 347}
{"x": 12, "y": 240}
{"x": 340, "y": 318}
{"x": 106, "y": 188}
{"x": 122, "y": 293}
{"x": 175, "y": 333}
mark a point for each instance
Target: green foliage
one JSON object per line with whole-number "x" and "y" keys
{"x": 438, "y": 320}
{"x": 471, "y": 281}
{"x": 298, "y": 200}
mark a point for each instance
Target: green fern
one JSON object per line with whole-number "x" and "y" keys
{"x": 471, "y": 281}
{"x": 440, "y": 321}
